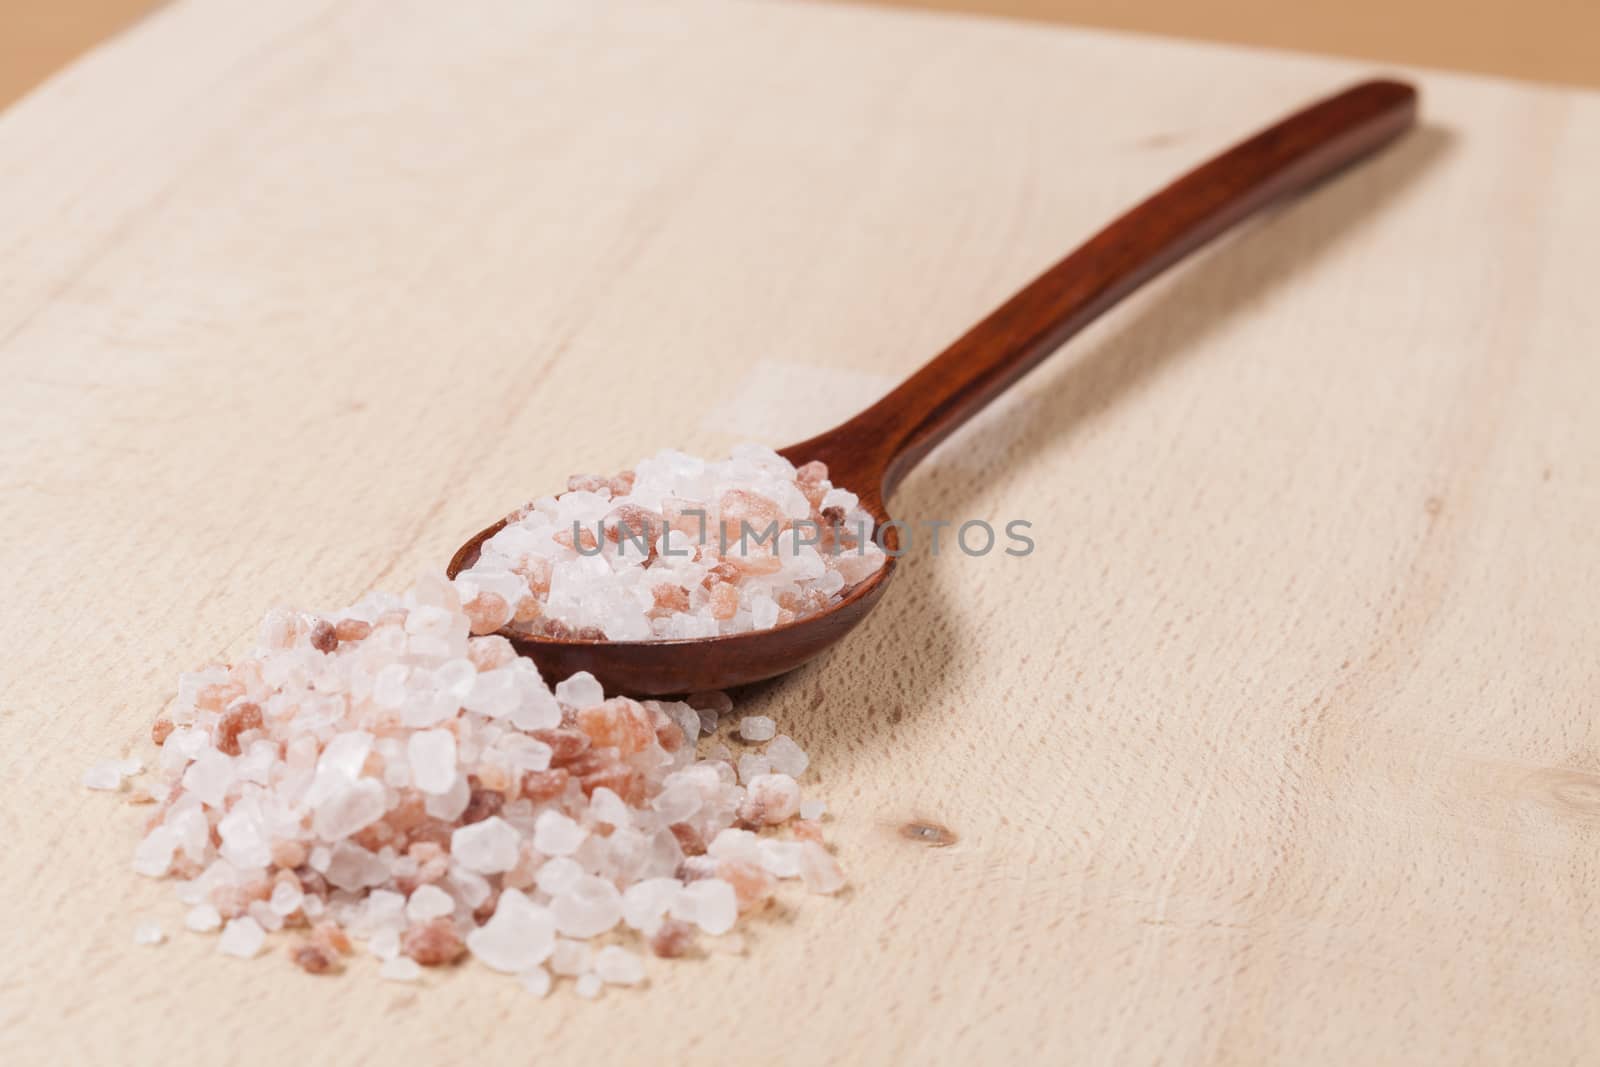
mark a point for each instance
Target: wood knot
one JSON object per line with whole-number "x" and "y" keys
{"x": 1571, "y": 791}
{"x": 928, "y": 833}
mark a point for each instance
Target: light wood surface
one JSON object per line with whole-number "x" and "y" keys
{"x": 1280, "y": 749}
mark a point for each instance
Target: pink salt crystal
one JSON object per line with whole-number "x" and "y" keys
{"x": 673, "y": 938}
{"x": 819, "y": 870}
{"x": 724, "y": 601}
{"x": 433, "y": 943}
{"x": 487, "y": 612}
{"x": 314, "y": 958}
{"x": 770, "y": 799}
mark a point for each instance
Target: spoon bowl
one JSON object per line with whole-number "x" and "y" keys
{"x": 873, "y": 451}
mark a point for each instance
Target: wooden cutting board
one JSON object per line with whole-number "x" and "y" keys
{"x": 1281, "y": 747}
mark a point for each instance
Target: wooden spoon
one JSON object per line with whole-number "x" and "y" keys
{"x": 872, "y": 452}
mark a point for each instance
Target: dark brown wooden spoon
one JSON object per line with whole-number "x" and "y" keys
{"x": 872, "y": 452}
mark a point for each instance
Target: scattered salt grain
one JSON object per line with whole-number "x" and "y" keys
{"x": 149, "y": 933}
{"x": 203, "y": 919}
{"x": 615, "y": 965}
{"x": 786, "y": 757}
{"x": 518, "y": 936}
{"x": 756, "y": 728}
{"x": 107, "y": 775}
{"x": 819, "y": 870}
{"x": 242, "y": 937}
{"x": 589, "y": 986}
{"x": 812, "y": 810}
{"x": 400, "y": 969}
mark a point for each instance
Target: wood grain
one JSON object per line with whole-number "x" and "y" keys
{"x": 1280, "y": 749}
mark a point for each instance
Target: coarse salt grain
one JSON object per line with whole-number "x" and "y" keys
{"x": 149, "y": 933}
{"x": 456, "y": 804}
{"x": 756, "y": 728}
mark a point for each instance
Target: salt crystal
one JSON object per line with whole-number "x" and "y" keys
{"x": 286, "y": 897}
{"x": 487, "y": 847}
{"x": 589, "y": 986}
{"x": 385, "y": 944}
{"x": 555, "y": 834}
{"x": 400, "y": 969}
{"x": 812, "y": 810}
{"x": 756, "y": 728}
{"x": 107, "y": 774}
{"x": 536, "y": 981}
{"x": 242, "y": 937}
{"x": 349, "y": 809}
{"x": 710, "y": 904}
{"x": 780, "y": 858}
{"x": 210, "y": 777}
{"x": 753, "y": 765}
{"x": 644, "y": 903}
{"x": 203, "y": 919}
{"x": 787, "y": 757}
{"x": 429, "y": 902}
{"x": 588, "y": 908}
{"x": 580, "y": 691}
{"x": 558, "y": 875}
{"x": 819, "y": 870}
{"x": 432, "y": 754}
{"x": 154, "y": 855}
{"x": 519, "y": 936}
{"x": 571, "y": 958}
{"x": 149, "y": 933}
{"x": 770, "y": 799}
{"x": 615, "y": 965}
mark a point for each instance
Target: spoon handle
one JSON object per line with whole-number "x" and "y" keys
{"x": 888, "y": 438}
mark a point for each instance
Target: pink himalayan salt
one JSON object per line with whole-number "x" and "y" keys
{"x": 620, "y": 784}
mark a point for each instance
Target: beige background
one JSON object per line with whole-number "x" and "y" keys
{"x": 1544, "y": 40}
{"x": 1283, "y": 749}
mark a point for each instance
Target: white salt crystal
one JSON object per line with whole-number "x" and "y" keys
{"x": 319, "y": 859}
{"x": 615, "y": 965}
{"x": 262, "y": 913}
{"x": 588, "y": 908}
{"x": 756, "y": 728}
{"x": 812, "y": 810}
{"x": 350, "y": 809}
{"x": 555, "y": 834}
{"x": 605, "y": 806}
{"x": 286, "y": 897}
{"x": 400, "y": 969}
{"x": 571, "y": 958}
{"x": 210, "y": 777}
{"x": 787, "y": 757}
{"x": 781, "y": 859}
{"x": 389, "y": 687}
{"x": 149, "y": 933}
{"x": 432, "y": 754}
{"x": 580, "y": 691}
{"x": 242, "y": 937}
{"x": 710, "y": 904}
{"x": 677, "y": 802}
{"x": 352, "y": 867}
{"x": 385, "y": 944}
{"x": 753, "y": 765}
{"x": 153, "y": 857}
{"x": 203, "y": 919}
{"x": 429, "y": 902}
{"x": 735, "y": 844}
{"x": 644, "y": 903}
{"x": 451, "y": 803}
{"x": 487, "y": 847}
{"x": 557, "y": 875}
{"x": 107, "y": 774}
{"x": 536, "y": 981}
{"x": 518, "y": 937}
{"x": 819, "y": 870}
{"x": 589, "y": 986}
